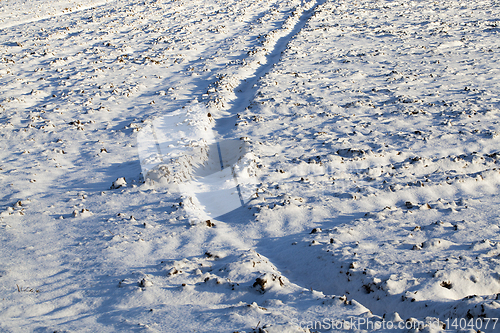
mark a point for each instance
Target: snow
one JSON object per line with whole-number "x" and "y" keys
{"x": 249, "y": 166}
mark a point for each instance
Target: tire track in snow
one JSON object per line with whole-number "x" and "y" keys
{"x": 235, "y": 90}
{"x": 234, "y": 93}
{"x": 220, "y": 50}
{"x": 260, "y": 60}
{"x": 243, "y": 79}
{"x": 224, "y": 104}
{"x": 258, "y": 63}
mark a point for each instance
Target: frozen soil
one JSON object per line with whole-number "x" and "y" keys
{"x": 369, "y": 128}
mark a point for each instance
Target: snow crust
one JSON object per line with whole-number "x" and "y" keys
{"x": 249, "y": 166}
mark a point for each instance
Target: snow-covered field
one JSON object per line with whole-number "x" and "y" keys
{"x": 249, "y": 166}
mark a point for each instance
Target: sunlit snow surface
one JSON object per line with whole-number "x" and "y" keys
{"x": 276, "y": 166}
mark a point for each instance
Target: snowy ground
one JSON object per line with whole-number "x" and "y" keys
{"x": 361, "y": 136}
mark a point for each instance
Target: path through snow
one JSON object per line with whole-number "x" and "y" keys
{"x": 366, "y": 133}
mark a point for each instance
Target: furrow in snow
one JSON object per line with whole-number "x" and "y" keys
{"x": 235, "y": 83}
